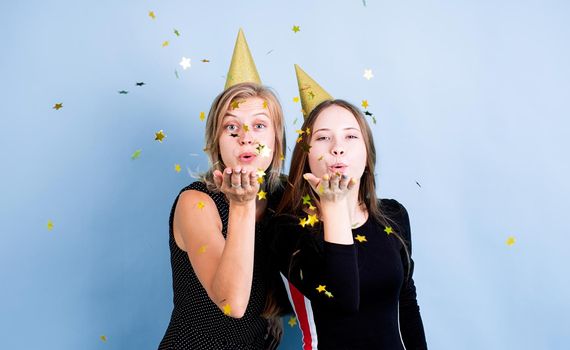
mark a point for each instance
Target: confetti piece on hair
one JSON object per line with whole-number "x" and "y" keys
{"x": 368, "y": 113}
{"x": 361, "y": 238}
{"x": 388, "y": 230}
{"x": 202, "y": 249}
{"x": 261, "y": 195}
{"x": 296, "y": 29}
{"x": 292, "y": 321}
{"x": 57, "y": 106}
{"x": 151, "y": 14}
{"x": 306, "y": 147}
{"x": 296, "y": 99}
{"x": 282, "y": 157}
{"x": 165, "y": 43}
{"x": 302, "y": 222}
{"x": 299, "y": 139}
{"x": 202, "y": 116}
{"x": 321, "y": 288}
{"x": 300, "y": 132}
{"x": 136, "y": 154}
{"x": 159, "y": 136}
{"x": 203, "y": 60}
{"x": 368, "y": 74}
{"x": 123, "y": 92}
{"x": 227, "y": 309}
{"x": 312, "y": 219}
{"x": 142, "y": 83}
{"x": 176, "y": 32}
{"x": 103, "y": 338}
{"x": 245, "y": 127}
{"x": 510, "y": 241}
{"x": 365, "y": 104}
{"x": 200, "y": 205}
{"x": 185, "y": 63}
{"x": 50, "y": 225}
{"x": 177, "y": 168}
{"x": 263, "y": 150}
{"x": 306, "y": 199}
{"x": 308, "y": 131}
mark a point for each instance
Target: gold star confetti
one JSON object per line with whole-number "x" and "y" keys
{"x": 261, "y": 195}
{"x": 328, "y": 294}
{"x": 245, "y": 127}
{"x": 57, "y": 106}
{"x": 202, "y": 116}
{"x": 177, "y": 168}
{"x": 299, "y": 139}
{"x": 296, "y": 29}
{"x": 368, "y": 74}
{"x": 103, "y": 338}
{"x": 307, "y": 199}
{"x": 306, "y": 147}
{"x": 321, "y": 157}
{"x": 202, "y": 249}
{"x": 312, "y": 220}
{"x": 260, "y": 172}
{"x": 159, "y": 136}
{"x": 227, "y": 309}
{"x": 185, "y": 63}
{"x": 300, "y": 132}
{"x": 311, "y": 95}
{"x": 296, "y": 99}
{"x": 282, "y": 157}
{"x": 265, "y": 104}
{"x": 308, "y": 131}
{"x": 263, "y": 150}
{"x": 176, "y": 32}
{"x": 510, "y": 241}
{"x": 302, "y": 222}
{"x": 151, "y": 14}
{"x": 311, "y": 207}
{"x": 320, "y": 189}
{"x": 200, "y": 205}
{"x": 136, "y": 154}
{"x": 292, "y": 321}
{"x": 361, "y": 238}
{"x": 50, "y": 225}
{"x": 235, "y": 104}
{"x": 321, "y": 288}
{"x": 388, "y": 230}
{"x": 364, "y": 103}
{"x": 165, "y": 43}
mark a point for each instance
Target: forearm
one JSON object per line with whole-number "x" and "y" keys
{"x": 336, "y": 222}
{"x": 232, "y": 282}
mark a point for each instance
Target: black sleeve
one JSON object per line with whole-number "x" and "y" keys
{"x": 307, "y": 261}
{"x": 411, "y": 324}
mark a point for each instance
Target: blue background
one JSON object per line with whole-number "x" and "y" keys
{"x": 471, "y": 99}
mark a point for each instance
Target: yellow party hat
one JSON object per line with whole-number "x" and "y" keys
{"x": 242, "y": 68}
{"x": 312, "y": 94}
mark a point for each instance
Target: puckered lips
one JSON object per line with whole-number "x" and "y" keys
{"x": 247, "y": 157}
{"x": 338, "y": 168}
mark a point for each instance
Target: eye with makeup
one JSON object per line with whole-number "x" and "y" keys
{"x": 231, "y": 127}
{"x": 259, "y": 126}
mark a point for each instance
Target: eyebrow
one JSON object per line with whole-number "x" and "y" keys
{"x": 255, "y": 115}
{"x": 326, "y": 129}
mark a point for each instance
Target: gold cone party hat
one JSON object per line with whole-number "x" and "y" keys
{"x": 312, "y": 94}
{"x": 242, "y": 68}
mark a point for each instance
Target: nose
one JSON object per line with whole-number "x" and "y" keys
{"x": 337, "y": 151}
{"x": 245, "y": 138}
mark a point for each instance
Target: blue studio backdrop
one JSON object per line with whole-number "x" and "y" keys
{"x": 471, "y": 125}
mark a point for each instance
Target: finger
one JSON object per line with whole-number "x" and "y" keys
{"x": 325, "y": 182}
{"x": 335, "y": 179}
{"x": 312, "y": 180}
{"x": 253, "y": 181}
{"x": 343, "y": 183}
{"x": 236, "y": 179}
{"x": 218, "y": 178}
{"x": 227, "y": 178}
{"x": 244, "y": 180}
{"x": 351, "y": 183}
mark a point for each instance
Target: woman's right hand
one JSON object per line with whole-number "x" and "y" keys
{"x": 239, "y": 185}
{"x": 331, "y": 188}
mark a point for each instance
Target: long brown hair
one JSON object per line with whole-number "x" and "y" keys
{"x": 297, "y": 187}
{"x": 219, "y": 108}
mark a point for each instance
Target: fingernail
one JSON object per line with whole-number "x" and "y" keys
{"x": 229, "y": 171}
{"x": 306, "y": 176}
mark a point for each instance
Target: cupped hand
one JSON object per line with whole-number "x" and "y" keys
{"x": 239, "y": 185}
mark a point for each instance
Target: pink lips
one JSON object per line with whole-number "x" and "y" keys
{"x": 338, "y": 167}
{"x": 247, "y": 157}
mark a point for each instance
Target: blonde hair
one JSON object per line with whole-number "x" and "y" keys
{"x": 218, "y": 110}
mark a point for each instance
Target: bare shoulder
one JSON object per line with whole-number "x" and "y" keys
{"x": 196, "y": 214}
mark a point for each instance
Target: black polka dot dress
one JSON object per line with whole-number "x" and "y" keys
{"x": 196, "y": 322}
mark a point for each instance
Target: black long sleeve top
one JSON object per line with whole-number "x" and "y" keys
{"x": 357, "y": 296}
